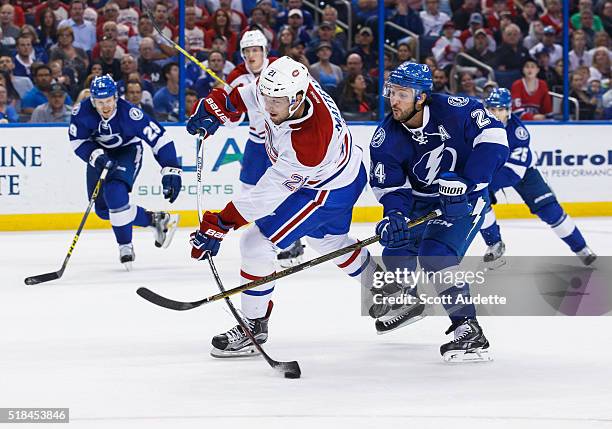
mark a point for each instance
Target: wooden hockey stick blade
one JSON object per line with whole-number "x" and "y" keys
{"x": 171, "y": 304}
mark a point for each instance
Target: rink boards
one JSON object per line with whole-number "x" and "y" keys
{"x": 42, "y": 182}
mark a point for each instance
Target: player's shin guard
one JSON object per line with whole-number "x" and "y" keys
{"x": 490, "y": 229}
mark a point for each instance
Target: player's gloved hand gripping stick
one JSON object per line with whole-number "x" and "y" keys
{"x": 41, "y": 278}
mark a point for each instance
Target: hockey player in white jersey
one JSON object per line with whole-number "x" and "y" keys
{"x": 254, "y": 49}
{"x": 316, "y": 176}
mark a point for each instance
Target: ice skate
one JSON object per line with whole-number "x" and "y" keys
{"x": 164, "y": 225}
{"x": 403, "y": 316}
{"x": 586, "y": 255}
{"x": 291, "y": 256}
{"x": 393, "y": 291}
{"x": 494, "y": 256}
{"x": 235, "y": 343}
{"x": 469, "y": 345}
{"x": 127, "y": 255}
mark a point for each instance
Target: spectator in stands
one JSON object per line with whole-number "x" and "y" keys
{"x": 354, "y": 97}
{"x": 39, "y": 94}
{"x": 467, "y": 87}
{"x": 128, "y": 65}
{"x": 166, "y": 101}
{"x": 71, "y": 56}
{"x": 494, "y": 17}
{"x": 576, "y": 21}
{"x": 55, "y": 110}
{"x": 237, "y": 20}
{"x": 285, "y": 41}
{"x": 133, "y": 94}
{"x": 606, "y": 16}
{"x": 553, "y": 15}
{"x": 488, "y": 87}
{"x": 406, "y": 18}
{"x": 440, "y": 82}
{"x": 555, "y": 51}
{"x": 201, "y": 13}
{"x": 588, "y": 26}
{"x": 8, "y": 30}
{"x": 330, "y": 14}
{"x": 323, "y": 71}
{"x": 194, "y": 36}
{"x": 600, "y": 67}
{"x": 325, "y": 34}
{"x": 127, "y": 14}
{"x": 530, "y": 98}
{"x": 579, "y": 56}
{"x": 39, "y": 51}
{"x": 535, "y": 36}
{"x": 147, "y": 88}
{"x": 298, "y": 53}
{"x": 283, "y": 17}
{"x": 221, "y": 27}
{"x": 511, "y": 54}
{"x": 216, "y": 62}
{"x": 21, "y": 84}
{"x": 47, "y": 30}
{"x": 404, "y": 53}
{"x": 432, "y": 18}
{"x": 461, "y": 17}
{"x": 480, "y": 51}
{"x": 364, "y": 46}
{"x": 270, "y": 8}
{"x": 110, "y": 64}
{"x": 258, "y": 18}
{"x": 7, "y": 112}
{"x": 295, "y": 21}
{"x": 109, "y": 29}
{"x": 467, "y": 36}
{"x": 25, "y": 57}
{"x": 59, "y": 9}
{"x": 161, "y": 48}
{"x": 64, "y": 77}
{"x": 364, "y": 10}
{"x": 547, "y": 72}
{"x": 191, "y": 98}
{"x": 527, "y": 16}
{"x": 586, "y": 104}
{"x": 147, "y": 66}
{"x": 596, "y": 91}
{"x": 607, "y": 104}
{"x": 161, "y": 16}
{"x": 220, "y": 44}
{"x": 602, "y": 39}
{"x": 84, "y": 32}
{"x": 447, "y": 47}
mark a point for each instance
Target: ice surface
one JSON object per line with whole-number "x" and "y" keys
{"x": 88, "y": 342}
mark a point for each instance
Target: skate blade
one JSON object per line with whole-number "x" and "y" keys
{"x": 248, "y": 351}
{"x": 459, "y": 356}
{"x": 406, "y": 323}
{"x": 127, "y": 265}
{"x": 291, "y": 262}
{"x": 172, "y": 227}
{"x": 496, "y": 264}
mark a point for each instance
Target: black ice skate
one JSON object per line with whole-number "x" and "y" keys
{"x": 127, "y": 255}
{"x": 403, "y": 316}
{"x": 291, "y": 256}
{"x": 164, "y": 225}
{"x": 235, "y": 343}
{"x": 494, "y": 256}
{"x": 390, "y": 290}
{"x": 469, "y": 345}
{"x": 586, "y": 255}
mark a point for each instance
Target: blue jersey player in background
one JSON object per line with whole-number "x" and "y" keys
{"x": 107, "y": 132}
{"x": 519, "y": 173}
{"x": 435, "y": 151}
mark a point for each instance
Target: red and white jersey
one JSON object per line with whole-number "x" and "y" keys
{"x": 526, "y": 104}
{"x": 315, "y": 152}
{"x": 242, "y": 76}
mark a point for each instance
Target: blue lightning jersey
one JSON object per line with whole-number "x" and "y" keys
{"x": 520, "y": 158}
{"x": 458, "y": 134}
{"x": 128, "y": 126}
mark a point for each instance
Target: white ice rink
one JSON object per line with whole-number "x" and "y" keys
{"x": 88, "y": 342}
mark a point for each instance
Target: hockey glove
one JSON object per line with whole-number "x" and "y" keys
{"x": 100, "y": 160}
{"x": 454, "y": 192}
{"x": 212, "y": 111}
{"x": 393, "y": 230}
{"x": 202, "y": 121}
{"x": 208, "y": 238}
{"x": 171, "y": 182}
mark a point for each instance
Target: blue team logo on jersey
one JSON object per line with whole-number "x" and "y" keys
{"x": 135, "y": 114}
{"x": 378, "y": 138}
{"x": 76, "y": 109}
{"x": 521, "y": 133}
{"x": 431, "y": 163}
{"x": 458, "y": 101}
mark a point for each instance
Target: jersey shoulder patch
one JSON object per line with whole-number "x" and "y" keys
{"x": 135, "y": 114}
{"x": 521, "y": 133}
{"x": 378, "y": 138}
{"x": 456, "y": 101}
{"x": 76, "y": 109}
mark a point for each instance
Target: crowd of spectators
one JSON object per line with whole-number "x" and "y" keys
{"x": 50, "y": 51}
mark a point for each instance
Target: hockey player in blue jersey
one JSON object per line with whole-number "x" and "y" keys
{"x": 107, "y": 132}
{"x": 434, "y": 151}
{"x": 519, "y": 172}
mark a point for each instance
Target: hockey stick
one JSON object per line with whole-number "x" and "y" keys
{"x": 171, "y": 304}
{"x": 289, "y": 369}
{"x": 41, "y": 278}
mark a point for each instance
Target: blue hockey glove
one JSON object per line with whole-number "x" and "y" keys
{"x": 100, "y": 160}
{"x": 393, "y": 230}
{"x": 454, "y": 192}
{"x": 212, "y": 111}
{"x": 171, "y": 182}
{"x": 202, "y": 121}
{"x": 208, "y": 238}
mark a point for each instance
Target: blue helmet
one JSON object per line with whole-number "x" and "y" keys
{"x": 499, "y": 97}
{"x": 412, "y": 75}
{"x": 103, "y": 87}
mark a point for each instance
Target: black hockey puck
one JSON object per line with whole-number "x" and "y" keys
{"x": 290, "y": 374}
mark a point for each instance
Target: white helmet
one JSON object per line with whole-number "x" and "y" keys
{"x": 285, "y": 77}
{"x": 253, "y": 38}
